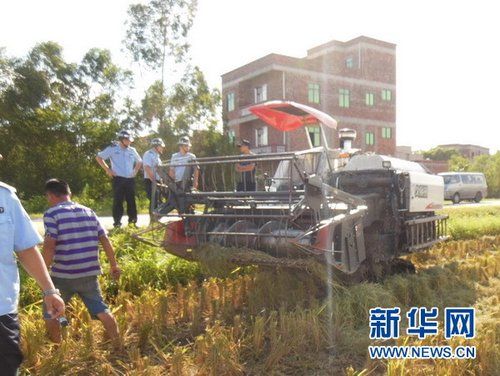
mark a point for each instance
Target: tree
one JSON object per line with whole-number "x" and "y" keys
{"x": 459, "y": 163}
{"x": 55, "y": 115}
{"x": 158, "y": 30}
{"x": 490, "y": 166}
{"x": 440, "y": 154}
{"x": 189, "y": 105}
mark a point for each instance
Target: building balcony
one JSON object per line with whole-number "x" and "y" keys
{"x": 274, "y": 148}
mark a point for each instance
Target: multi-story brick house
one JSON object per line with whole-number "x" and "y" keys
{"x": 354, "y": 82}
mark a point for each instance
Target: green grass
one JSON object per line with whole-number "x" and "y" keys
{"x": 472, "y": 222}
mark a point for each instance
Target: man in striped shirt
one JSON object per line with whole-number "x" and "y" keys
{"x": 71, "y": 250}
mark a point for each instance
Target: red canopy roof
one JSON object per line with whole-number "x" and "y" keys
{"x": 287, "y": 116}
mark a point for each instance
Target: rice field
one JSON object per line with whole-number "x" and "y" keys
{"x": 177, "y": 320}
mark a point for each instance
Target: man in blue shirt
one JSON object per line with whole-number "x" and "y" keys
{"x": 151, "y": 160}
{"x": 125, "y": 163}
{"x": 18, "y": 235}
{"x": 185, "y": 176}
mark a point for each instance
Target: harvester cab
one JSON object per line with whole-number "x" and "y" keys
{"x": 318, "y": 204}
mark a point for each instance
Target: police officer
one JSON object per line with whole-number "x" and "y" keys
{"x": 186, "y": 177}
{"x": 18, "y": 234}
{"x": 125, "y": 163}
{"x": 151, "y": 161}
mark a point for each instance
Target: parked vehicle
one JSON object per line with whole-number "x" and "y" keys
{"x": 460, "y": 186}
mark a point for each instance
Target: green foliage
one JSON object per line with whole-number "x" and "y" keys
{"x": 143, "y": 268}
{"x": 440, "y": 154}
{"x": 158, "y": 29}
{"x": 192, "y": 104}
{"x": 188, "y": 105}
{"x": 489, "y": 165}
{"x": 55, "y": 116}
{"x": 458, "y": 163}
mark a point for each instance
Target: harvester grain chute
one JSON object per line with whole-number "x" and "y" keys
{"x": 353, "y": 212}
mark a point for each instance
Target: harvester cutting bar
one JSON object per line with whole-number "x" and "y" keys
{"x": 216, "y": 215}
{"x": 256, "y": 158}
{"x": 280, "y": 194}
{"x": 263, "y": 156}
{"x": 251, "y": 156}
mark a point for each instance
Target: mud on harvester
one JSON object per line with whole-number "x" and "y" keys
{"x": 351, "y": 211}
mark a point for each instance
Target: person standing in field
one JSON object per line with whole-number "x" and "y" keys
{"x": 186, "y": 177}
{"x": 246, "y": 169}
{"x": 125, "y": 163}
{"x": 71, "y": 250}
{"x": 18, "y": 235}
{"x": 151, "y": 161}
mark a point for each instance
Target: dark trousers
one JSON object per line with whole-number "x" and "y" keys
{"x": 10, "y": 352}
{"x": 124, "y": 190}
{"x": 148, "y": 186}
{"x": 243, "y": 186}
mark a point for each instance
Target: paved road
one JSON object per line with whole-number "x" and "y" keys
{"x": 107, "y": 222}
{"x": 468, "y": 204}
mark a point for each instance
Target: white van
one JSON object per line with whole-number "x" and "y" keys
{"x": 464, "y": 186}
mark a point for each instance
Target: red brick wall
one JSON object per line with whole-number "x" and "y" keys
{"x": 376, "y": 65}
{"x": 435, "y": 166}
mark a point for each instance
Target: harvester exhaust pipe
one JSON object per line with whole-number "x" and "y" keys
{"x": 346, "y": 136}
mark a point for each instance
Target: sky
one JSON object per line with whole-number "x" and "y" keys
{"x": 448, "y": 55}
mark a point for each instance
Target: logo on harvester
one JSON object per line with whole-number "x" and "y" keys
{"x": 421, "y": 191}
{"x": 422, "y": 322}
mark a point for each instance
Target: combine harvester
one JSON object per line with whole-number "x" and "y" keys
{"x": 352, "y": 213}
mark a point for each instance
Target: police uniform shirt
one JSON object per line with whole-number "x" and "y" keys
{"x": 122, "y": 160}
{"x": 151, "y": 159}
{"x": 180, "y": 159}
{"x": 17, "y": 233}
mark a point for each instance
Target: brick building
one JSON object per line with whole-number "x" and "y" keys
{"x": 354, "y": 82}
{"x": 467, "y": 150}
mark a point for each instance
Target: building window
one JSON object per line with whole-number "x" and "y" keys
{"x": 386, "y": 95}
{"x": 261, "y": 137}
{"x": 313, "y": 93}
{"x": 344, "y": 98}
{"x": 349, "y": 62}
{"x": 230, "y": 102}
{"x": 314, "y": 135}
{"x": 369, "y": 99}
{"x": 369, "y": 138}
{"x": 386, "y": 132}
{"x": 260, "y": 93}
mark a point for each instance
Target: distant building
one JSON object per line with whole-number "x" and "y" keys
{"x": 353, "y": 81}
{"x": 405, "y": 152}
{"x": 467, "y": 150}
